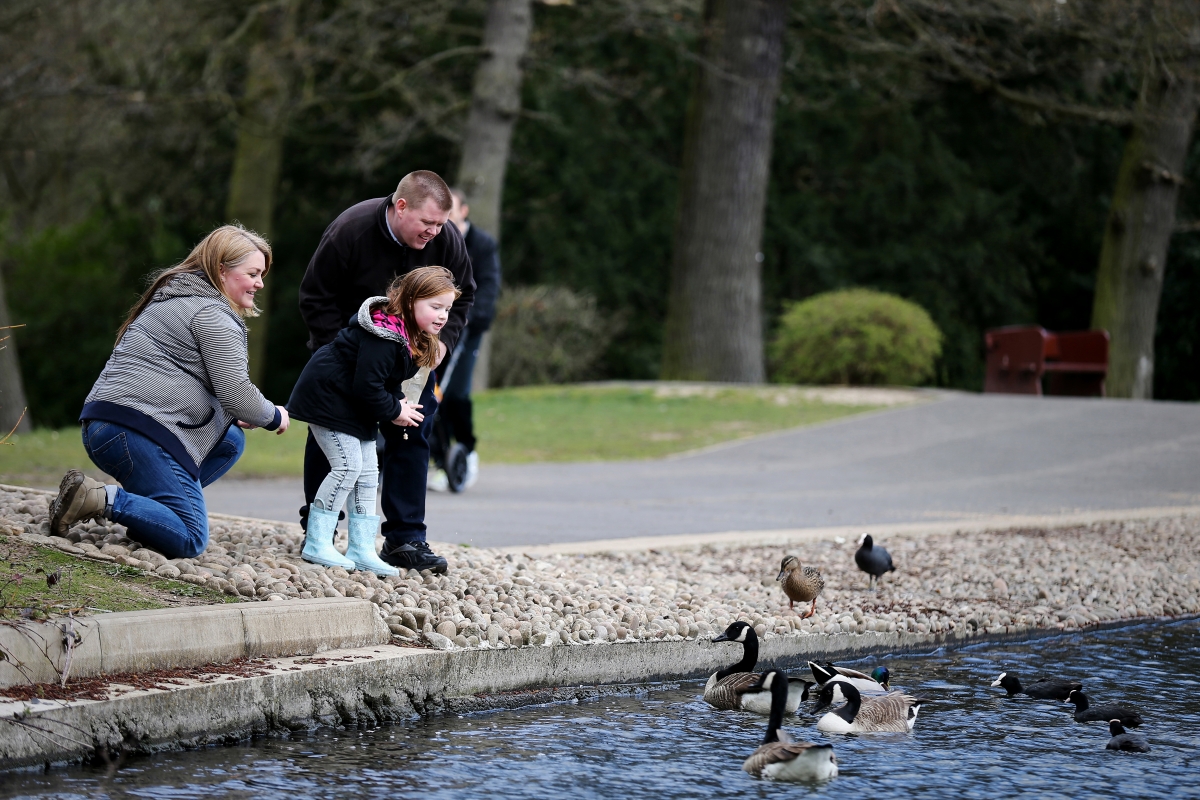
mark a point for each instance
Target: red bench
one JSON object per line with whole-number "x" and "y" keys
{"x": 1073, "y": 364}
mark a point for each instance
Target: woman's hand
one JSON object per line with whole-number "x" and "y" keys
{"x": 284, "y": 420}
{"x": 409, "y": 416}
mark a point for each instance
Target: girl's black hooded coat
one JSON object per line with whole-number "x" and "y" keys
{"x": 352, "y": 384}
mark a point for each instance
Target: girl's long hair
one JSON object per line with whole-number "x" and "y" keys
{"x": 403, "y": 294}
{"x": 227, "y": 246}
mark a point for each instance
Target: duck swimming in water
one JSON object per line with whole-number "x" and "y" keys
{"x": 1129, "y": 742}
{"x": 778, "y": 757}
{"x": 895, "y": 712}
{"x": 1085, "y": 712}
{"x": 1042, "y": 689}
{"x": 875, "y": 683}
{"x": 730, "y": 689}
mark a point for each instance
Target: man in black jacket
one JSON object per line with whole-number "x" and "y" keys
{"x": 455, "y": 409}
{"x": 360, "y": 253}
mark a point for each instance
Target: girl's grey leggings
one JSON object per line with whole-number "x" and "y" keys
{"x": 353, "y": 471}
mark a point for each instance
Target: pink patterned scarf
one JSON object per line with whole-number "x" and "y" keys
{"x": 390, "y": 322}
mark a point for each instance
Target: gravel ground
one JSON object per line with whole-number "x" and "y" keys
{"x": 996, "y": 582}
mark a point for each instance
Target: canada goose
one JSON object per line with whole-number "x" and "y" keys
{"x": 722, "y": 690}
{"x": 894, "y": 712}
{"x": 1129, "y": 742}
{"x": 874, "y": 561}
{"x": 778, "y": 757}
{"x": 800, "y": 583}
{"x": 1128, "y": 717}
{"x": 875, "y": 683}
{"x": 1041, "y": 689}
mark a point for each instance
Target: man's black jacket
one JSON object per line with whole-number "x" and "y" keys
{"x": 357, "y": 258}
{"x": 485, "y": 266}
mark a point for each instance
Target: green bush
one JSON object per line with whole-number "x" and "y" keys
{"x": 546, "y": 334}
{"x": 71, "y": 286}
{"x": 858, "y": 337}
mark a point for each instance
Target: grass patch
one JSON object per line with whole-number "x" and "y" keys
{"x": 40, "y": 458}
{"x": 37, "y": 580}
{"x": 539, "y": 423}
{"x": 599, "y": 423}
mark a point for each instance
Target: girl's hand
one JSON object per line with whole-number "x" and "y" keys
{"x": 284, "y": 420}
{"x": 409, "y": 416}
{"x": 246, "y": 426}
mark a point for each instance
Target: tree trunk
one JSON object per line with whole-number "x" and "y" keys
{"x": 713, "y": 329}
{"x": 262, "y": 124}
{"x": 1140, "y": 223}
{"x": 12, "y": 388}
{"x": 495, "y": 103}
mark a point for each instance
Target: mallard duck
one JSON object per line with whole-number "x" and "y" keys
{"x": 778, "y": 757}
{"x": 895, "y": 712}
{"x": 1042, "y": 689}
{"x": 1129, "y": 742}
{"x": 1128, "y": 717}
{"x": 875, "y": 683}
{"x": 800, "y": 583}
{"x": 730, "y": 689}
{"x": 874, "y": 561}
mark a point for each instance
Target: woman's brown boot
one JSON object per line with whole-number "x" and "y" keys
{"x": 79, "y": 498}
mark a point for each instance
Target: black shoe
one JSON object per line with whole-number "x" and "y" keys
{"x": 414, "y": 555}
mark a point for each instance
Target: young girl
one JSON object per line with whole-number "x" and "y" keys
{"x": 348, "y": 388}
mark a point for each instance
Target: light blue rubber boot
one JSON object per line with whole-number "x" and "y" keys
{"x": 318, "y": 540}
{"x": 361, "y": 551}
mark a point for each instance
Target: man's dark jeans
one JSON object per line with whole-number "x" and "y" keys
{"x": 404, "y": 469}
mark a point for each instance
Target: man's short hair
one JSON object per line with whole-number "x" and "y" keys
{"x": 417, "y": 187}
{"x": 459, "y": 195}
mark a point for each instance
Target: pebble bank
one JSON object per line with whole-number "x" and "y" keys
{"x": 995, "y": 582}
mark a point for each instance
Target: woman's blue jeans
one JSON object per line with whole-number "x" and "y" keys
{"x": 160, "y": 504}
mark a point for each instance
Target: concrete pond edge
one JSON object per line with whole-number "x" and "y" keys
{"x": 386, "y": 683}
{"x": 188, "y": 636}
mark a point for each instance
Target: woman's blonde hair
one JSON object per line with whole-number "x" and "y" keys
{"x": 227, "y": 246}
{"x": 403, "y": 294}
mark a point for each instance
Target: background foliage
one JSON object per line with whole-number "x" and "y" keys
{"x": 547, "y": 334}
{"x": 858, "y": 337}
{"x": 116, "y": 154}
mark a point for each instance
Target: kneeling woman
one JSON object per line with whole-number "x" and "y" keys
{"x": 160, "y": 418}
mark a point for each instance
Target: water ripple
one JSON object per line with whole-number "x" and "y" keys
{"x": 970, "y": 741}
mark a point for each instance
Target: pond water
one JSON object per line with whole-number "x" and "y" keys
{"x": 665, "y": 742}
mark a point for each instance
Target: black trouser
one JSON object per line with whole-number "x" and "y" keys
{"x": 456, "y": 399}
{"x": 404, "y": 469}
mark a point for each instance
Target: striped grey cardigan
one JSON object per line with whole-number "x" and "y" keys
{"x": 179, "y": 375}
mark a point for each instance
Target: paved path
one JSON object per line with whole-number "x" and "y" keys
{"x": 960, "y": 458}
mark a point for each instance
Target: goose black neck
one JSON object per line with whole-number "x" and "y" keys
{"x": 779, "y": 696}
{"x": 749, "y": 656}
{"x": 849, "y": 711}
{"x": 1080, "y": 700}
